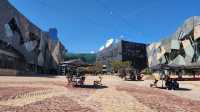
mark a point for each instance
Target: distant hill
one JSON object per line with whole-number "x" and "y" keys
{"x": 86, "y": 57}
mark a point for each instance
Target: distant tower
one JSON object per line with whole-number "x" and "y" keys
{"x": 53, "y": 32}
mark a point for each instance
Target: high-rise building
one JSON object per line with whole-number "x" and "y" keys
{"x": 124, "y": 51}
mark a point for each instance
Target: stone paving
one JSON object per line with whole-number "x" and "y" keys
{"x": 40, "y": 94}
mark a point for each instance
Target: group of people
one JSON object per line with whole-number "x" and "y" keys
{"x": 164, "y": 75}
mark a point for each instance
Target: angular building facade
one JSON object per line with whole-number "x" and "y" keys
{"x": 25, "y": 47}
{"x": 180, "y": 49}
{"x": 124, "y": 51}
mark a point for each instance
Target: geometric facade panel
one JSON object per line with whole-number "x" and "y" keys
{"x": 181, "y": 48}
{"x": 32, "y": 45}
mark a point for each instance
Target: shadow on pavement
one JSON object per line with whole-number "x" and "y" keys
{"x": 92, "y": 87}
{"x": 133, "y": 80}
{"x": 38, "y": 75}
{"x": 179, "y": 89}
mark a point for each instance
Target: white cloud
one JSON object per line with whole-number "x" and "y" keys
{"x": 101, "y": 48}
{"x": 109, "y": 42}
{"x": 92, "y": 52}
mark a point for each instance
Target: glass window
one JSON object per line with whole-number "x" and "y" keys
{"x": 8, "y": 30}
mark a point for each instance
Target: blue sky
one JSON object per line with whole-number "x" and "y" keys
{"x": 85, "y": 25}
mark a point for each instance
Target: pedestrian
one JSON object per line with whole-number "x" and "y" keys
{"x": 156, "y": 78}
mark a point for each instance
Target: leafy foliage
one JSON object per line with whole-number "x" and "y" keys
{"x": 117, "y": 65}
{"x": 147, "y": 71}
{"x": 95, "y": 69}
{"x": 98, "y": 67}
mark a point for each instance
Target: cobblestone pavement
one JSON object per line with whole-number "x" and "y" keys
{"x": 40, "y": 94}
{"x": 35, "y": 94}
{"x": 54, "y": 104}
{"x": 159, "y": 100}
{"x": 111, "y": 100}
{"x": 8, "y": 93}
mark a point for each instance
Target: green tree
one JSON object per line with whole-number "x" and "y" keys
{"x": 117, "y": 65}
{"x": 147, "y": 71}
{"x": 98, "y": 67}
